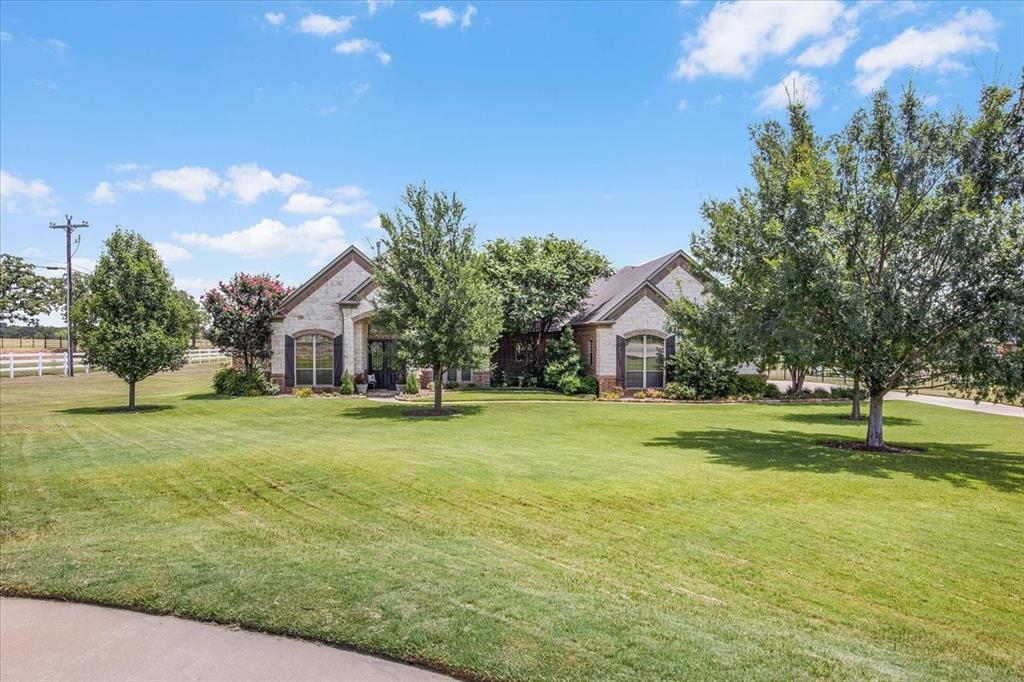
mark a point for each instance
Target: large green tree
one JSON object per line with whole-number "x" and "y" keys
{"x": 432, "y": 291}
{"x": 751, "y": 245}
{"x": 131, "y": 322}
{"x": 543, "y": 281}
{"x": 918, "y": 275}
{"x": 24, "y": 294}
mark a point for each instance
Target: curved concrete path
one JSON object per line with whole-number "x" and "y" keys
{"x": 51, "y": 640}
{"x": 941, "y": 401}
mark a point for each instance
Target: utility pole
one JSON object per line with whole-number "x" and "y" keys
{"x": 68, "y": 229}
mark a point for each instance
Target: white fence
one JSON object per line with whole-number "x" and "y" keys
{"x": 25, "y": 364}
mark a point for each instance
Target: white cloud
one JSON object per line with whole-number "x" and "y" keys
{"x": 197, "y": 286}
{"x": 323, "y": 25}
{"x": 32, "y": 252}
{"x": 467, "y": 17}
{"x": 930, "y": 100}
{"x": 83, "y": 263}
{"x": 342, "y": 202}
{"x": 125, "y": 167}
{"x": 969, "y": 31}
{"x": 15, "y": 192}
{"x": 827, "y": 52}
{"x": 272, "y": 238}
{"x": 274, "y": 18}
{"x": 373, "y": 5}
{"x": 103, "y": 194}
{"x": 372, "y": 223}
{"x": 796, "y": 85}
{"x": 440, "y": 16}
{"x": 57, "y": 46}
{"x": 248, "y": 182}
{"x": 734, "y": 38}
{"x": 191, "y": 182}
{"x": 171, "y": 253}
{"x": 131, "y": 185}
{"x": 361, "y": 45}
{"x": 5, "y": 36}
{"x": 355, "y": 46}
{"x": 359, "y": 88}
{"x": 683, "y": 105}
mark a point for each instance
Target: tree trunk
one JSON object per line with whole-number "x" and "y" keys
{"x": 195, "y": 335}
{"x": 437, "y": 387}
{"x": 875, "y": 439}
{"x": 796, "y": 378}
{"x": 855, "y": 410}
{"x": 131, "y": 395}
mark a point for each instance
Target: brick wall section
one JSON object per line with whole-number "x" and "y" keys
{"x": 606, "y": 383}
{"x": 586, "y": 341}
{"x": 481, "y": 378}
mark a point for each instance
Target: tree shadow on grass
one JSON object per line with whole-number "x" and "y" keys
{"x": 407, "y": 413}
{"x": 834, "y": 418}
{"x": 209, "y": 396}
{"x": 960, "y": 464}
{"x": 116, "y": 409}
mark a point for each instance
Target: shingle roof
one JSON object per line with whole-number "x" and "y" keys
{"x": 607, "y": 293}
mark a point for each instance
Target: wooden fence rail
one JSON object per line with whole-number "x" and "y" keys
{"x": 38, "y": 364}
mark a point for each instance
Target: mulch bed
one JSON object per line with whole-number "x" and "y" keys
{"x": 864, "y": 447}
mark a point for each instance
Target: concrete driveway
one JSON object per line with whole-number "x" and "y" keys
{"x": 50, "y": 640}
{"x": 941, "y": 401}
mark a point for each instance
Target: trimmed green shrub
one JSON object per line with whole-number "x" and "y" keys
{"x": 845, "y": 392}
{"x": 231, "y": 381}
{"x": 589, "y": 386}
{"x": 771, "y": 391}
{"x": 451, "y": 385}
{"x": 346, "y": 387}
{"x": 750, "y": 384}
{"x": 412, "y": 383}
{"x": 677, "y": 391}
{"x": 822, "y": 393}
{"x": 696, "y": 367}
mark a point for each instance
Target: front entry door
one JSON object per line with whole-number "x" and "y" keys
{"x": 384, "y": 363}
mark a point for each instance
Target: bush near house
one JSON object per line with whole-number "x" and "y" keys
{"x": 695, "y": 366}
{"x": 346, "y": 387}
{"x": 412, "y": 383}
{"x": 239, "y": 382}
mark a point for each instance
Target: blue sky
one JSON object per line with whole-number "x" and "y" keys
{"x": 265, "y": 136}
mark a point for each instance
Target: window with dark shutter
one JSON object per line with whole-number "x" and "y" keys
{"x": 338, "y": 360}
{"x": 289, "y": 361}
{"x": 620, "y": 360}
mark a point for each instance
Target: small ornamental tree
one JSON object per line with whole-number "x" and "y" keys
{"x": 24, "y": 294}
{"x": 543, "y": 281}
{"x": 240, "y": 313}
{"x": 131, "y": 321}
{"x": 431, "y": 289}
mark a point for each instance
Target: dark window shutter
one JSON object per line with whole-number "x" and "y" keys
{"x": 620, "y": 360}
{"x": 670, "y": 350}
{"x": 289, "y": 361}
{"x": 338, "y": 360}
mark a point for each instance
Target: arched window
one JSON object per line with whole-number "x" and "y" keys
{"x": 645, "y": 361}
{"x": 314, "y": 360}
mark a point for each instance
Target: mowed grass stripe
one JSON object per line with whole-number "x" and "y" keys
{"x": 521, "y": 541}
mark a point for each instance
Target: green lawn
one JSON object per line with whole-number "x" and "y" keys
{"x": 478, "y": 395}
{"x": 563, "y": 540}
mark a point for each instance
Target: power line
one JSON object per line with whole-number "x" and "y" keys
{"x": 69, "y": 228}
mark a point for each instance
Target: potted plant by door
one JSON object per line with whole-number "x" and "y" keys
{"x": 361, "y": 384}
{"x": 400, "y": 387}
